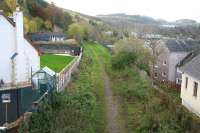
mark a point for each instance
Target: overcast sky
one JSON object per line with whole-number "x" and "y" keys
{"x": 160, "y": 9}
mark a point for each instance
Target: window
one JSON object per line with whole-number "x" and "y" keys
{"x": 155, "y": 66}
{"x": 186, "y": 82}
{"x": 165, "y": 62}
{"x": 178, "y": 81}
{"x": 164, "y": 74}
{"x": 156, "y": 75}
{"x": 195, "y": 89}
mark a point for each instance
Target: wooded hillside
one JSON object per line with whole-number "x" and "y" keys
{"x": 38, "y": 14}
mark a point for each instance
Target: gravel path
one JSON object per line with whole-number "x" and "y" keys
{"x": 111, "y": 107}
{"x": 111, "y": 104}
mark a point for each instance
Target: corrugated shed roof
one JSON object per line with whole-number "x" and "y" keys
{"x": 49, "y": 71}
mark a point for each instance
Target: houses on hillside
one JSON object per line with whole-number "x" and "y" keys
{"x": 55, "y": 43}
{"x": 170, "y": 53}
{"x": 178, "y": 62}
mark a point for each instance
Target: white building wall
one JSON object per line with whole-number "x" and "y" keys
{"x": 188, "y": 100}
{"x": 7, "y": 41}
{"x": 12, "y": 41}
{"x": 32, "y": 56}
{"x": 22, "y": 70}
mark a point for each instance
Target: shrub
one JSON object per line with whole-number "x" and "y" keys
{"x": 123, "y": 59}
{"x": 66, "y": 112}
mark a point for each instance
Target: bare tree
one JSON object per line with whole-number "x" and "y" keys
{"x": 156, "y": 50}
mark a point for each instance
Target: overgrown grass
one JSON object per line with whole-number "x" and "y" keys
{"x": 172, "y": 92}
{"x": 90, "y": 79}
{"x": 147, "y": 111}
{"x": 55, "y": 62}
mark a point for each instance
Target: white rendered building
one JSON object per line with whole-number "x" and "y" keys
{"x": 18, "y": 57}
{"x": 190, "y": 93}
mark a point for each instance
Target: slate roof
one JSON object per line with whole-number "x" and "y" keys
{"x": 192, "y": 68}
{"x": 189, "y": 57}
{"x": 9, "y": 19}
{"x": 175, "y": 45}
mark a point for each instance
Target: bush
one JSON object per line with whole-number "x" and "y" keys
{"x": 123, "y": 59}
{"x": 69, "y": 113}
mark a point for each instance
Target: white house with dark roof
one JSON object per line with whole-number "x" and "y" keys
{"x": 18, "y": 57}
{"x": 190, "y": 87}
{"x": 48, "y": 36}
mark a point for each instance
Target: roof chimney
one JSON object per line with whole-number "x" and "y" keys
{"x": 19, "y": 29}
{"x": 17, "y": 8}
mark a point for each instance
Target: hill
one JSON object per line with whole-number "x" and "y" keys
{"x": 146, "y": 25}
{"x": 131, "y": 23}
{"x": 133, "y": 18}
{"x": 185, "y": 22}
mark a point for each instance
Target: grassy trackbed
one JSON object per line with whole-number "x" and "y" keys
{"x": 141, "y": 108}
{"x": 90, "y": 79}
